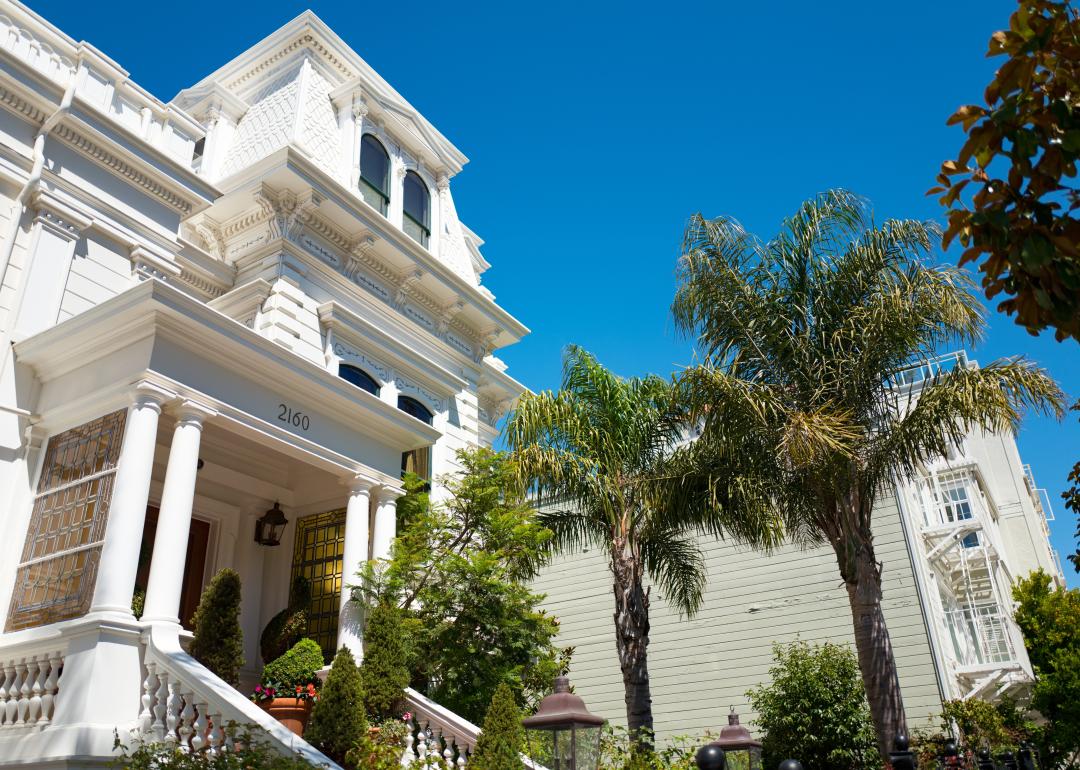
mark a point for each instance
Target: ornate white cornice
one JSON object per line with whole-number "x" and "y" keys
{"x": 122, "y": 168}
{"x": 20, "y": 106}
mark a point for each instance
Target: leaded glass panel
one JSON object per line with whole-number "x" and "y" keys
{"x": 318, "y": 556}
{"x": 58, "y": 566}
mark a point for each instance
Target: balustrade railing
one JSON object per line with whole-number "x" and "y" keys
{"x": 28, "y": 688}
{"x": 184, "y": 704}
{"x": 438, "y": 738}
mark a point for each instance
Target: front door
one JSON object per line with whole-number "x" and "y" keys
{"x": 194, "y": 565}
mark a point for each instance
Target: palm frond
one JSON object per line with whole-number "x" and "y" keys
{"x": 676, "y": 565}
{"x": 952, "y": 403}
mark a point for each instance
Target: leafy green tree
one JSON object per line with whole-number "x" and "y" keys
{"x": 815, "y": 709}
{"x": 597, "y": 453}
{"x": 801, "y": 398}
{"x": 385, "y": 668}
{"x": 1072, "y": 502}
{"x": 502, "y": 738}
{"x": 1025, "y": 143}
{"x": 460, "y": 572}
{"x": 337, "y": 720}
{"x": 218, "y": 642}
{"x": 1049, "y": 618}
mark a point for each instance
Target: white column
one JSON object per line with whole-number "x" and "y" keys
{"x": 350, "y": 629}
{"x": 174, "y": 517}
{"x": 385, "y": 521}
{"x": 127, "y": 511}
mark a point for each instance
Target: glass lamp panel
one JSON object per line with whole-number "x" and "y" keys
{"x": 564, "y": 750}
{"x": 541, "y": 746}
{"x": 737, "y": 759}
{"x": 588, "y": 747}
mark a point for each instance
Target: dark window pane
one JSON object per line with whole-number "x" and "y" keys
{"x": 415, "y": 408}
{"x": 417, "y": 205}
{"x": 374, "y": 173}
{"x": 358, "y": 377}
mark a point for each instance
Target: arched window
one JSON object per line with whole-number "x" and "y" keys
{"x": 415, "y": 408}
{"x": 358, "y": 377}
{"x": 417, "y": 206}
{"x": 374, "y": 173}
{"x": 417, "y": 461}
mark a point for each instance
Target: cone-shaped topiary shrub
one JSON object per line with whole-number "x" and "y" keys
{"x": 337, "y": 722}
{"x": 385, "y": 668}
{"x": 219, "y": 642}
{"x": 502, "y": 738}
{"x": 287, "y": 627}
{"x": 296, "y": 668}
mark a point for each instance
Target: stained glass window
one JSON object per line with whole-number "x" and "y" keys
{"x": 318, "y": 557}
{"x": 58, "y": 567}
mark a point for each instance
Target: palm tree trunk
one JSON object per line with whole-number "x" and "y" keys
{"x": 862, "y": 577}
{"x": 632, "y": 642}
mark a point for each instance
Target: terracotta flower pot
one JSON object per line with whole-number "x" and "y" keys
{"x": 291, "y": 712}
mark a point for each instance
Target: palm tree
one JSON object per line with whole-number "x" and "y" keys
{"x": 802, "y": 340}
{"x": 596, "y": 452}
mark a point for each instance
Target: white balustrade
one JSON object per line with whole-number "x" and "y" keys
{"x": 28, "y": 688}
{"x": 184, "y": 704}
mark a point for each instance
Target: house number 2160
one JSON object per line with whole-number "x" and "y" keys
{"x": 296, "y": 419}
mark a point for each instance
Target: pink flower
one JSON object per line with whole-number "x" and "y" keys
{"x": 406, "y": 717}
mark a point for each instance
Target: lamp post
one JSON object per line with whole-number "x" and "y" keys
{"x": 562, "y": 734}
{"x": 270, "y": 525}
{"x": 741, "y": 751}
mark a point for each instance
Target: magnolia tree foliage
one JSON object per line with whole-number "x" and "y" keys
{"x": 1072, "y": 502}
{"x": 814, "y": 708}
{"x": 1019, "y": 161}
{"x": 460, "y": 575}
{"x": 1049, "y": 617}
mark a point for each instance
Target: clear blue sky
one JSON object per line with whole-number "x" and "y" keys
{"x": 596, "y": 129}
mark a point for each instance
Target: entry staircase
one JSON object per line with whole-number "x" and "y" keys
{"x": 180, "y": 702}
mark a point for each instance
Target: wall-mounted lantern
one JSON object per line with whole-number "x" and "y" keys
{"x": 562, "y": 734}
{"x": 270, "y": 525}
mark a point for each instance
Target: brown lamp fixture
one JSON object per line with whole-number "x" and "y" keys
{"x": 741, "y": 751}
{"x": 270, "y": 525}
{"x": 562, "y": 734}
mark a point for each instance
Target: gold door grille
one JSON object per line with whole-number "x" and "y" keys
{"x": 318, "y": 557}
{"x": 58, "y": 566}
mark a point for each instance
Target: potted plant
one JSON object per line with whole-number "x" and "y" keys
{"x": 290, "y": 685}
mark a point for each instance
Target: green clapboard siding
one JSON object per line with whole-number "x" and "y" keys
{"x": 701, "y": 667}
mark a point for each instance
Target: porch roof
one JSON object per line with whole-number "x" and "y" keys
{"x": 156, "y": 331}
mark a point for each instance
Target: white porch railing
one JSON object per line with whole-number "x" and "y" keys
{"x": 185, "y": 704}
{"x": 29, "y": 681}
{"x": 438, "y": 738}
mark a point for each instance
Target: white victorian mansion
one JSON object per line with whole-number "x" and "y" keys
{"x": 255, "y": 297}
